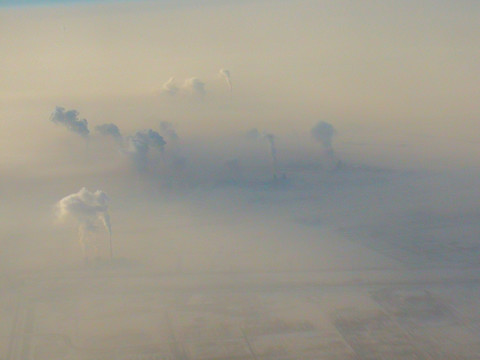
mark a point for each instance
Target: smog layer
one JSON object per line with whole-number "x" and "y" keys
{"x": 251, "y": 180}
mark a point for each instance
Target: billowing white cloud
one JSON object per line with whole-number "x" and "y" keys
{"x": 87, "y": 209}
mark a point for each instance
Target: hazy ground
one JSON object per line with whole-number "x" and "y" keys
{"x": 358, "y": 263}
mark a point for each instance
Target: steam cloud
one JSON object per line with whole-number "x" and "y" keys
{"x": 70, "y": 120}
{"x": 226, "y": 74}
{"x": 140, "y": 143}
{"x": 87, "y": 208}
{"x": 323, "y": 133}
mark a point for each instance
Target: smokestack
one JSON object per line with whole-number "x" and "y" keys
{"x": 86, "y": 208}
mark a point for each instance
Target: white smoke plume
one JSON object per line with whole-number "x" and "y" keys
{"x": 195, "y": 87}
{"x": 323, "y": 133}
{"x": 87, "y": 208}
{"x": 170, "y": 88}
{"x": 167, "y": 130}
{"x": 140, "y": 144}
{"x": 226, "y": 74}
{"x": 70, "y": 120}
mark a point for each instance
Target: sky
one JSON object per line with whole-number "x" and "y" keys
{"x": 388, "y": 75}
{"x": 396, "y": 80}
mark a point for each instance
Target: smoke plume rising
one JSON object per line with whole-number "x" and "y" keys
{"x": 226, "y": 74}
{"x": 139, "y": 146}
{"x": 323, "y": 133}
{"x": 70, "y": 120}
{"x": 87, "y": 209}
{"x": 170, "y": 88}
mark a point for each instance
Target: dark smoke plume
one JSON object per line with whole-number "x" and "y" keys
{"x": 70, "y": 120}
{"x": 323, "y": 133}
{"x": 109, "y": 130}
{"x": 140, "y": 144}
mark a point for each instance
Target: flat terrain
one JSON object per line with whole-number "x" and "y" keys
{"x": 103, "y": 312}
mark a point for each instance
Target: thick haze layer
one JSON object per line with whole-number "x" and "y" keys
{"x": 239, "y": 179}
{"x": 397, "y": 81}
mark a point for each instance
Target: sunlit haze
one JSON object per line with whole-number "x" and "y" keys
{"x": 276, "y": 178}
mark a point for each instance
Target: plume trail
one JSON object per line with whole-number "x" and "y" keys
{"x": 226, "y": 74}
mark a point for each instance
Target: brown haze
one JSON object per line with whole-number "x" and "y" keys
{"x": 248, "y": 234}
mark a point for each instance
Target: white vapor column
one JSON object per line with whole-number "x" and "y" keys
{"x": 87, "y": 209}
